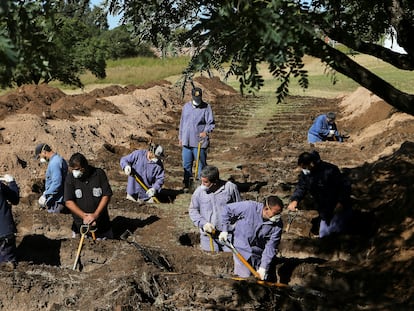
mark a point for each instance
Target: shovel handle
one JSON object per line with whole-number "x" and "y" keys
{"x": 243, "y": 260}
{"x": 197, "y": 160}
{"x": 141, "y": 183}
{"x": 79, "y": 250}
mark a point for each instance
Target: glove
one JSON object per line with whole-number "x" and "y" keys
{"x": 7, "y": 178}
{"x": 150, "y": 192}
{"x": 208, "y": 227}
{"x": 42, "y": 201}
{"x": 331, "y": 133}
{"x": 223, "y": 236}
{"x": 127, "y": 170}
{"x": 262, "y": 272}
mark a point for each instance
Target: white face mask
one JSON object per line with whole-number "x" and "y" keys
{"x": 43, "y": 160}
{"x": 305, "y": 171}
{"x": 77, "y": 173}
{"x": 204, "y": 187}
{"x": 195, "y": 104}
{"x": 275, "y": 218}
{"x": 154, "y": 160}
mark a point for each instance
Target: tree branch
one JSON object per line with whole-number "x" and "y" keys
{"x": 343, "y": 64}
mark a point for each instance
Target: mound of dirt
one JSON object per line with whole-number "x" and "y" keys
{"x": 362, "y": 108}
{"x": 373, "y": 123}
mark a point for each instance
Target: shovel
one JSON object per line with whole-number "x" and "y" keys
{"x": 251, "y": 269}
{"x": 242, "y": 259}
{"x": 84, "y": 229}
{"x": 141, "y": 183}
{"x": 160, "y": 263}
{"x": 291, "y": 216}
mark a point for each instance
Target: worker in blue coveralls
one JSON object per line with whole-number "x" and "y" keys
{"x": 207, "y": 204}
{"x": 57, "y": 169}
{"x": 257, "y": 233}
{"x": 148, "y": 167}
{"x": 330, "y": 191}
{"x": 196, "y": 124}
{"x": 324, "y": 129}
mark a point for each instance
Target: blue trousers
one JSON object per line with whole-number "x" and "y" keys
{"x": 189, "y": 155}
{"x": 339, "y": 223}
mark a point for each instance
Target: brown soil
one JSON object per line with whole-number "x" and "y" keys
{"x": 161, "y": 267}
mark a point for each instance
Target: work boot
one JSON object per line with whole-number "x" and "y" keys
{"x": 130, "y": 197}
{"x": 189, "y": 186}
{"x": 186, "y": 188}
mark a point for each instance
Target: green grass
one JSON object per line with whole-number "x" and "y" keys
{"x": 137, "y": 71}
{"x": 320, "y": 78}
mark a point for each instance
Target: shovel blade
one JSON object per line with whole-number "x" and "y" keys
{"x": 124, "y": 236}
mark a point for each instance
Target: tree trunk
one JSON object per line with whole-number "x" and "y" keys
{"x": 343, "y": 64}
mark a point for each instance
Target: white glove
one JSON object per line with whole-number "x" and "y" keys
{"x": 223, "y": 236}
{"x": 150, "y": 192}
{"x": 127, "y": 170}
{"x": 208, "y": 227}
{"x": 42, "y": 201}
{"x": 7, "y": 178}
{"x": 331, "y": 133}
{"x": 262, "y": 273}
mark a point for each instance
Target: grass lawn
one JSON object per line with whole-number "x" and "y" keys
{"x": 320, "y": 78}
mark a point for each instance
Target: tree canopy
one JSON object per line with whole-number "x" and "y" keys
{"x": 246, "y": 33}
{"x": 43, "y": 41}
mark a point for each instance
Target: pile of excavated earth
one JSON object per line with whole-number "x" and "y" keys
{"x": 159, "y": 265}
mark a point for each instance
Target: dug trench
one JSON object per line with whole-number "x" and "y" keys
{"x": 159, "y": 266}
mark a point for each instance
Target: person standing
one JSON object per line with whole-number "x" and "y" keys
{"x": 330, "y": 190}
{"x": 206, "y": 206}
{"x": 257, "y": 233}
{"x": 324, "y": 129}
{"x": 87, "y": 195}
{"x": 148, "y": 167}
{"x": 9, "y": 195}
{"x": 196, "y": 123}
{"x": 57, "y": 169}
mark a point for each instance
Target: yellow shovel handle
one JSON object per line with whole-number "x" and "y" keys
{"x": 197, "y": 160}
{"x": 145, "y": 187}
{"x": 79, "y": 250}
{"x": 251, "y": 269}
{"x": 243, "y": 260}
{"x": 211, "y": 243}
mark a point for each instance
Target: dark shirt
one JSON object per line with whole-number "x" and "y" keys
{"x": 9, "y": 194}
{"x": 87, "y": 192}
{"x": 327, "y": 185}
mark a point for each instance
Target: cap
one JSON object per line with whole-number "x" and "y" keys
{"x": 157, "y": 150}
{"x": 331, "y": 115}
{"x": 197, "y": 94}
{"x": 39, "y": 148}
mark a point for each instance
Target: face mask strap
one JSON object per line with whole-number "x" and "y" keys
{"x": 43, "y": 149}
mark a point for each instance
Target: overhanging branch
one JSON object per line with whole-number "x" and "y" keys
{"x": 345, "y": 65}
